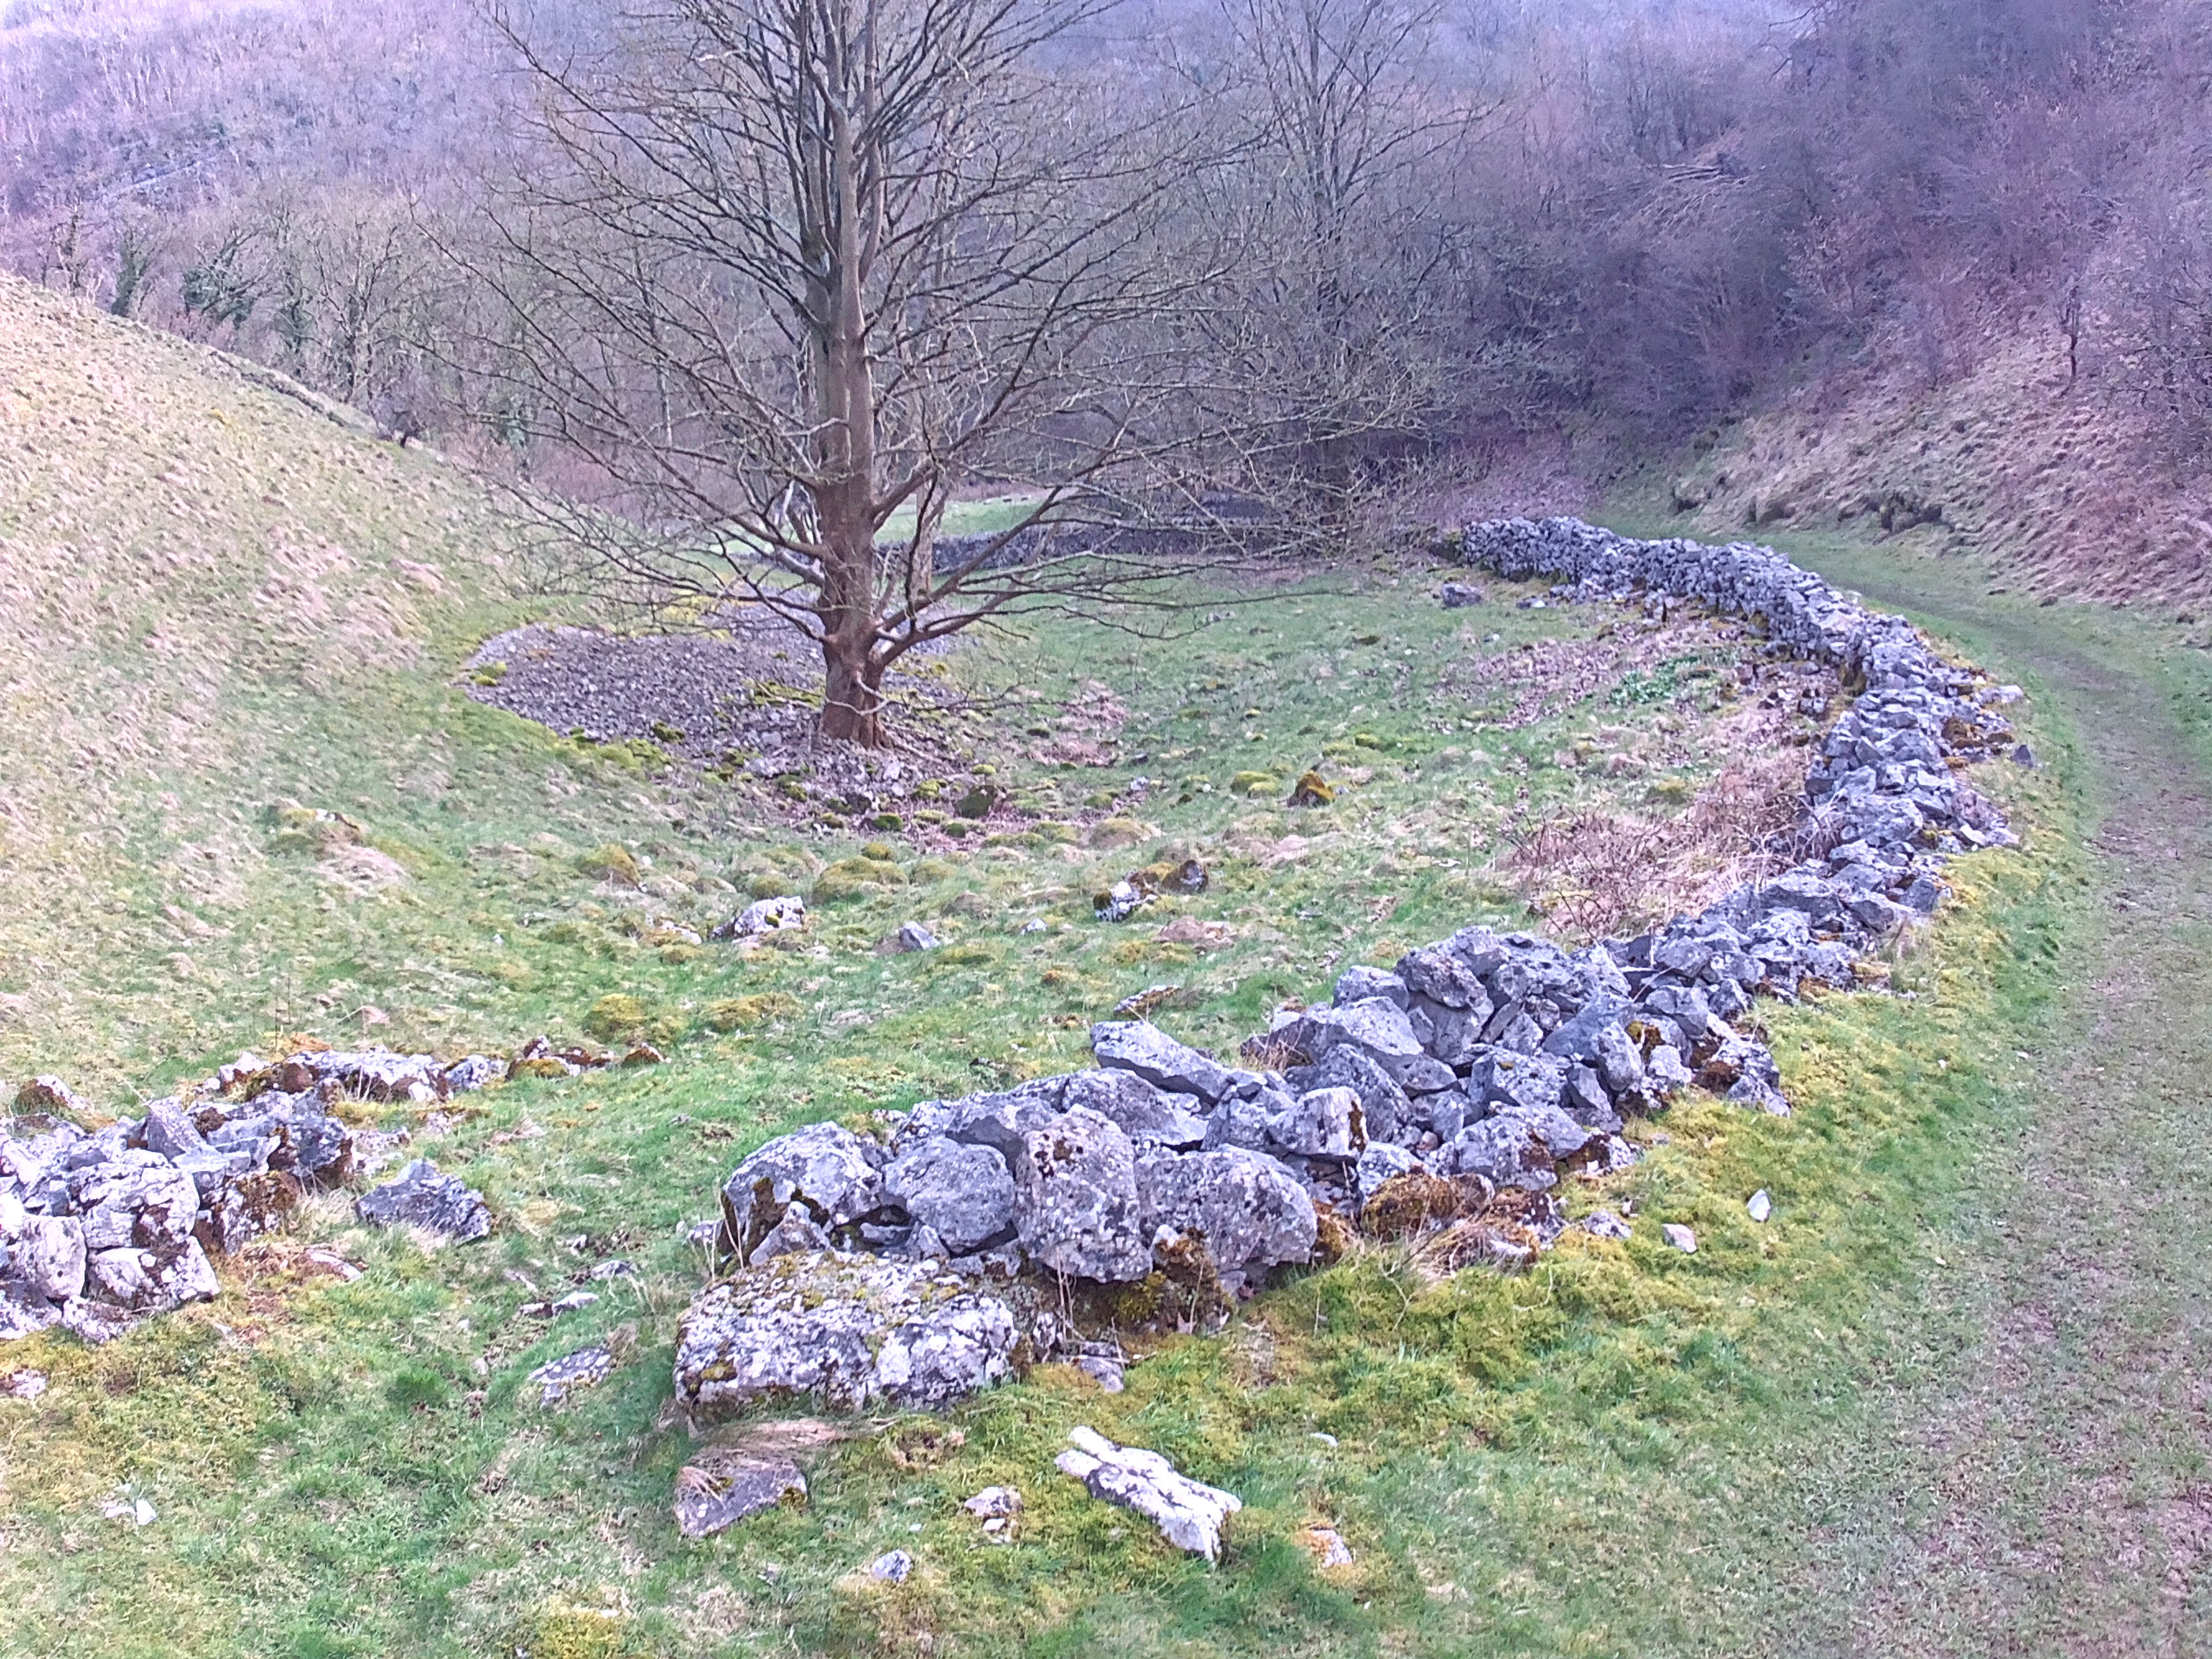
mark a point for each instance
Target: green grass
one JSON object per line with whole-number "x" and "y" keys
{"x": 1600, "y": 1457}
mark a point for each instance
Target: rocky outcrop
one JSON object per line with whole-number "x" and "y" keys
{"x": 1486, "y": 1064}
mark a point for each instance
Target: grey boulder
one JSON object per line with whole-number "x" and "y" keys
{"x": 1250, "y": 1212}
{"x": 965, "y": 1193}
{"x": 1076, "y": 1208}
{"x": 1376, "y": 1026}
{"x": 836, "y": 1172}
{"x": 421, "y": 1197}
{"x": 1139, "y": 1046}
{"x": 1147, "y": 1115}
{"x": 1321, "y": 1123}
{"x": 855, "y": 1332}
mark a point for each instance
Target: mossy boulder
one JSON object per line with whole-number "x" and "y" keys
{"x": 1118, "y": 832}
{"x": 749, "y": 1012}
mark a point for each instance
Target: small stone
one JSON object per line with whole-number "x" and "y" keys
{"x": 995, "y": 1504}
{"x": 1104, "y": 1370}
{"x": 1034, "y": 924}
{"x": 1760, "y": 1205}
{"x": 1604, "y": 1223}
{"x": 23, "y": 1384}
{"x": 643, "y": 1054}
{"x": 1326, "y": 1546}
{"x": 718, "y": 1489}
{"x": 912, "y": 936}
{"x": 1323, "y": 1436}
{"x": 1680, "y": 1237}
{"x": 893, "y": 1566}
{"x": 1458, "y": 596}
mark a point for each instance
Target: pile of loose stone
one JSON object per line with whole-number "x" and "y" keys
{"x": 916, "y": 1265}
{"x": 99, "y": 1229}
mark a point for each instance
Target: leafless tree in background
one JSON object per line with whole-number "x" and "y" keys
{"x": 791, "y": 269}
{"x": 1338, "y": 323}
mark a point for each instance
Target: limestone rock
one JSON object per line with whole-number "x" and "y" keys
{"x": 857, "y": 1332}
{"x": 712, "y": 1492}
{"x": 421, "y": 1197}
{"x": 1322, "y": 1123}
{"x": 1149, "y": 1116}
{"x": 1141, "y": 1046}
{"x": 1189, "y": 1514}
{"x": 586, "y": 1368}
{"x": 965, "y": 1193}
{"x": 1376, "y": 1026}
{"x": 1076, "y": 1208}
{"x": 1252, "y": 1215}
{"x": 836, "y": 1172}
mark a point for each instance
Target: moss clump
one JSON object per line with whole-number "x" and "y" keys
{"x": 1255, "y": 783}
{"x": 617, "y": 1015}
{"x": 613, "y": 862}
{"x": 1117, "y": 832}
{"x": 745, "y": 1013}
{"x": 1312, "y": 790}
{"x": 852, "y": 878}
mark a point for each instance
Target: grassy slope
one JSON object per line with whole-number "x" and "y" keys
{"x": 1598, "y": 1457}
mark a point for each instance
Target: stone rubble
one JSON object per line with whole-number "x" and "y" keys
{"x": 1189, "y": 1514}
{"x": 100, "y": 1228}
{"x": 1487, "y": 1066}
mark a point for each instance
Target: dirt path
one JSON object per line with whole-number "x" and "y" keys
{"x": 2037, "y": 1477}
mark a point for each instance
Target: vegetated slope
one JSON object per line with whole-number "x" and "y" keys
{"x": 218, "y": 595}
{"x": 2018, "y": 458}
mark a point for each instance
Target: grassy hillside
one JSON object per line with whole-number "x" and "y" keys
{"x": 232, "y": 601}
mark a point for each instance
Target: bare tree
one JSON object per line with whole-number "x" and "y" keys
{"x": 787, "y": 271}
{"x": 1340, "y": 324}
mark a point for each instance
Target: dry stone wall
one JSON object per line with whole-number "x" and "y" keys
{"x": 1463, "y": 1082}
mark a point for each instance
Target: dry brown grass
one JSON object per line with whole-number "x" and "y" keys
{"x": 1609, "y": 874}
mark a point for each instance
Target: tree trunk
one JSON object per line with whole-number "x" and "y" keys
{"x": 852, "y": 692}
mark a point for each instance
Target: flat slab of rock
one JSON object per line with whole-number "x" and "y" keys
{"x": 1189, "y": 1514}
{"x": 1139, "y": 1046}
{"x": 853, "y": 1331}
{"x": 586, "y": 1368}
{"x": 421, "y": 1197}
{"x": 715, "y": 1492}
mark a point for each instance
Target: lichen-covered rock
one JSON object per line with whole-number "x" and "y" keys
{"x": 1148, "y": 1114}
{"x": 421, "y": 1197}
{"x": 1189, "y": 1514}
{"x": 1321, "y": 1123}
{"x": 836, "y": 1172}
{"x": 148, "y": 1281}
{"x": 856, "y": 1331}
{"x": 964, "y": 1193}
{"x": 1076, "y": 1207}
{"x": 1251, "y": 1214}
{"x": 1139, "y": 1046}
{"x": 1376, "y": 1026}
